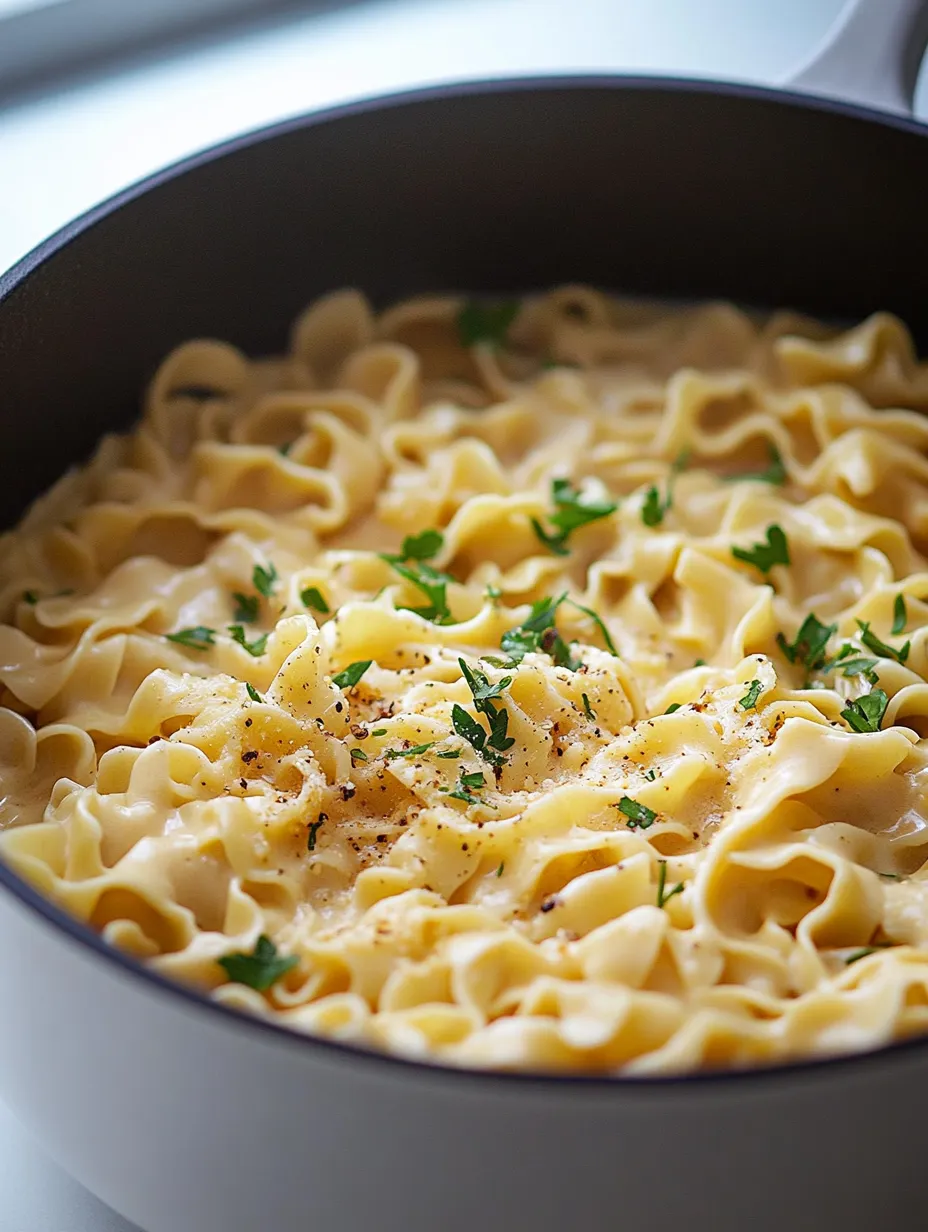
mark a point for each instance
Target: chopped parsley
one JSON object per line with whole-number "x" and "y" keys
{"x": 255, "y": 648}
{"x": 433, "y": 585}
{"x": 380, "y": 731}
{"x": 664, "y": 896}
{"x": 246, "y": 607}
{"x": 449, "y": 755}
{"x": 264, "y": 579}
{"x": 653, "y": 509}
{"x": 502, "y": 865}
{"x": 285, "y": 448}
{"x": 587, "y": 708}
{"x": 348, "y": 678}
{"x": 314, "y": 828}
{"x": 572, "y": 509}
{"x": 253, "y": 692}
{"x": 775, "y": 472}
{"x": 357, "y": 755}
{"x": 855, "y": 667}
{"x": 313, "y": 598}
{"x": 598, "y": 621}
{"x": 493, "y": 593}
{"x": 673, "y": 708}
{"x": 865, "y": 952}
{"x": 259, "y": 969}
{"x": 418, "y": 547}
{"x": 866, "y": 713}
{"x": 466, "y": 785}
{"x": 810, "y": 643}
{"x": 640, "y": 817}
{"x": 197, "y": 638}
{"x": 900, "y": 616}
{"x": 414, "y": 751}
{"x": 749, "y": 701}
{"x": 31, "y": 597}
{"x": 872, "y": 642}
{"x": 650, "y": 775}
{"x": 539, "y": 633}
{"x": 488, "y": 744}
{"x": 764, "y": 556}
{"x": 485, "y": 322}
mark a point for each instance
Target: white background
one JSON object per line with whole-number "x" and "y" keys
{"x": 61, "y": 153}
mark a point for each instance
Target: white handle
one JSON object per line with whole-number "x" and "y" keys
{"x": 871, "y": 56}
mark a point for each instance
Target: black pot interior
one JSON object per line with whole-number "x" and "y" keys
{"x": 665, "y": 188}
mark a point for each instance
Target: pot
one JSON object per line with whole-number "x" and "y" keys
{"x": 188, "y": 1117}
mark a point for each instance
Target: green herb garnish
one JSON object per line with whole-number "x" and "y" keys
{"x": 414, "y": 751}
{"x": 253, "y": 692}
{"x": 380, "y": 731}
{"x": 285, "y": 448}
{"x": 810, "y": 643}
{"x": 31, "y": 597}
{"x": 424, "y": 546}
{"x": 866, "y": 713}
{"x": 486, "y": 322}
{"x": 639, "y": 815}
{"x": 764, "y": 556}
{"x": 197, "y": 638}
{"x": 572, "y": 509}
{"x": 313, "y": 598}
{"x": 255, "y": 648}
{"x": 587, "y": 708}
{"x": 493, "y": 593}
{"x": 489, "y": 744}
{"x": 857, "y": 955}
{"x": 433, "y": 585}
{"x": 664, "y": 898}
{"x": 502, "y": 865}
{"x": 653, "y": 509}
{"x": 357, "y": 755}
{"x": 539, "y": 633}
{"x": 259, "y": 969}
{"x": 264, "y": 579}
{"x": 598, "y": 621}
{"x": 466, "y": 785}
{"x": 650, "y": 775}
{"x": 775, "y": 472}
{"x": 348, "y": 678}
{"x": 900, "y": 616}
{"x": 673, "y": 708}
{"x": 246, "y": 607}
{"x": 450, "y": 755}
{"x": 314, "y": 828}
{"x": 872, "y": 642}
{"x": 749, "y": 701}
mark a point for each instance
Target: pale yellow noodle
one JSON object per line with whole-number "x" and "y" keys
{"x": 533, "y": 923}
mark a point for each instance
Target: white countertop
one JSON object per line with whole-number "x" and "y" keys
{"x": 59, "y": 154}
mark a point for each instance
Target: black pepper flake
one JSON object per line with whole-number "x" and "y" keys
{"x": 381, "y": 838}
{"x": 243, "y": 783}
{"x": 339, "y": 707}
{"x": 250, "y": 755}
{"x": 248, "y": 722}
{"x": 359, "y": 732}
{"x": 348, "y": 790}
{"x": 549, "y": 904}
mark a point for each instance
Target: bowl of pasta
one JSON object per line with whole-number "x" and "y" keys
{"x": 463, "y": 664}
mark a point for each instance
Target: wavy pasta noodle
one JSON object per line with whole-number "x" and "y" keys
{"x": 529, "y": 686}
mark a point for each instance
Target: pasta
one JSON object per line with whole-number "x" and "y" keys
{"x": 525, "y": 686}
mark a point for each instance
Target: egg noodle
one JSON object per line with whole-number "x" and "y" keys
{"x": 524, "y": 686}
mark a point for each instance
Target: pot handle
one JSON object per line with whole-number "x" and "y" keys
{"x": 871, "y": 55}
